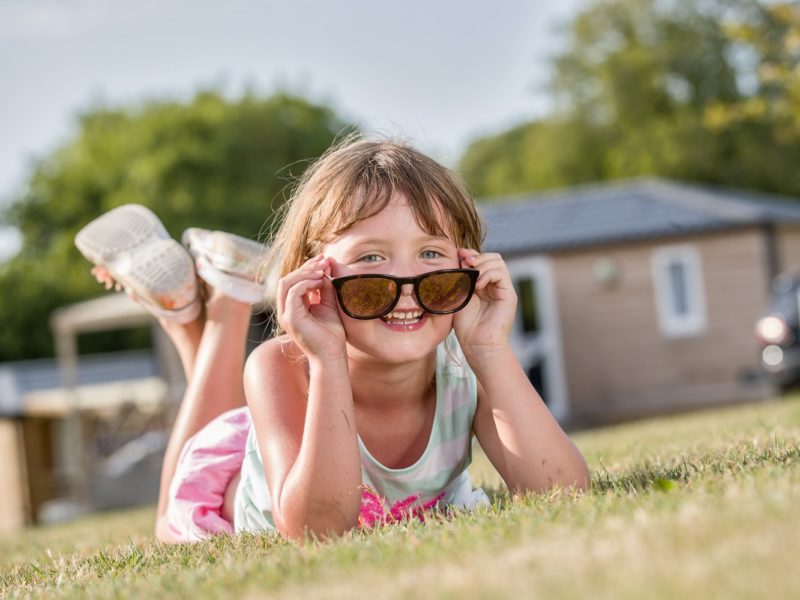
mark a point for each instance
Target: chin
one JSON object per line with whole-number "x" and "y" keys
{"x": 393, "y": 344}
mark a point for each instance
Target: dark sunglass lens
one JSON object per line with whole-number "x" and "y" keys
{"x": 367, "y": 297}
{"x": 444, "y": 291}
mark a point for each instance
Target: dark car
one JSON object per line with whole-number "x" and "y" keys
{"x": 779, "y": 332}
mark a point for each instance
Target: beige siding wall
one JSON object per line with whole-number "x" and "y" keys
{"x": 788, "y": 242}
{"x": 618, "y": 363}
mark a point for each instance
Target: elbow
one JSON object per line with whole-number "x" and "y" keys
{"x": 573, "y": 477}
{"x": 316, "y": 522}
{"x": 566, "y": 479}
{"x": 581, "y": 481}
{"x": 302, "y": 531}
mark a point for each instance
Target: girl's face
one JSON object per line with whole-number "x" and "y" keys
{"x": 392, "y": 243}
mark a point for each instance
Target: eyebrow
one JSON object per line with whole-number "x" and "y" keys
{"x": 381, "y": 241}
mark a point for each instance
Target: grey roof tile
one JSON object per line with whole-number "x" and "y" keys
{"x": 624, "y": 211}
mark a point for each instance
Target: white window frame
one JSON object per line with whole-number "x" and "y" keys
{"x": 672, "y": 324}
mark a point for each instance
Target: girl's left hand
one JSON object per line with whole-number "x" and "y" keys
{"x": 485, "y": 323}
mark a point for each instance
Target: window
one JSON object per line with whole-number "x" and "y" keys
{"x": 678, "y": 282}
{"x": 526, "y": 307}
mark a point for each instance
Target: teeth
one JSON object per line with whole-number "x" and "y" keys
{"x": 397, "y": 315}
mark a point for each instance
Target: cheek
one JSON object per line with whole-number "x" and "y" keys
{"x": 352, "y": 327}
{"x": 442, "y": 323}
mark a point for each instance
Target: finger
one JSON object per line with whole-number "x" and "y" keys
{"x": 491, "y": 262}
{"x": 480, "y": 261}
{"x": 328, "y": 293}
{"x": 297, "y": 302}
{"x": 299, "y": 293}
{"x": 467, "y": 256}
{"x": 309, "y": 269}
{"x": 294, "y": 299}
{"x": 495, "y": 275}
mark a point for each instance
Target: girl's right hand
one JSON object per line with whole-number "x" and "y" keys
{"x": 307, "y": 310}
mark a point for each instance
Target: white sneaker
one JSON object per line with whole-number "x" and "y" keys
{"x": 228, "y": 262}
{"x": 131, "y": 243}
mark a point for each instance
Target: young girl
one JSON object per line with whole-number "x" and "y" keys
{"x": 393, "y": 352}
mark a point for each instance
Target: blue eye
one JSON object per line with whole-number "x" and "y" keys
{"x": 369, "y": 258}
{"x": 429, "y": 254}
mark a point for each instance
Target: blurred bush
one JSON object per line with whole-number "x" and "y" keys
{"x": 210, "y": 162}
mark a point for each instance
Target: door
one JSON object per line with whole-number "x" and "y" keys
{"x": 536, "y": 335}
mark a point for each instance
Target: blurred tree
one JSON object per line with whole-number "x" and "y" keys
{"x": 769, "y": 45}
{"x": 663, "y": 88}
{"x": 211, "y": 162}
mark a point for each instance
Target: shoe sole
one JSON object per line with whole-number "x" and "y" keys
{"x": 238, "y": 288}
{"x": 134, "y": 246}
{"x": 118, "y": 231}
{"x": 150, "y": 273}
{"x": 221, "y": 264}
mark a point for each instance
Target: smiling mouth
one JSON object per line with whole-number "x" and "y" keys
{"x": 404, "y": 317}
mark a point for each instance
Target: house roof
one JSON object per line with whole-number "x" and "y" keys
{"x": 24, "y": 378}
{"x": 636, "y": 209}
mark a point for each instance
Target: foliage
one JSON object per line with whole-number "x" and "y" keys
{"x": 661, "y": 88}
{"x": 697, "y": 505}
{"x": 770, "y": 37}
{"x": 210, "y": 162}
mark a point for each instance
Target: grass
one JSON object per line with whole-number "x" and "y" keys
{"x": 701, "y": 505}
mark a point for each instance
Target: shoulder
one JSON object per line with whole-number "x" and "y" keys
{"x": 277, "y": 361}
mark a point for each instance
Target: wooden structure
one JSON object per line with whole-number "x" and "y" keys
{"x": 45, "y": 433}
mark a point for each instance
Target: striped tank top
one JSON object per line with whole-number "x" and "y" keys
{"x": 438, "y": 478}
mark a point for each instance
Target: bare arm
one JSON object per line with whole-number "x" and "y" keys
{"x": 310, "y": 450}
{"x": 520, "y": 436}
{"x": 298, "y": 390}
{"x": 516, "y": 430}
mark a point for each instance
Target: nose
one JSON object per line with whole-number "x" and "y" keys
{"x": 407, "y": 298}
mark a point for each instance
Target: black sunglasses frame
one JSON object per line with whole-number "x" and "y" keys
{"x": 338, "y": 282}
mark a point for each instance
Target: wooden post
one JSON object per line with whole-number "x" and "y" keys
{"x": 13, "y": 484}
{"x": 72, "y": 442}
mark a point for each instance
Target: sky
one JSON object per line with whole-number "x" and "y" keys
{"x": 437, "y": 72}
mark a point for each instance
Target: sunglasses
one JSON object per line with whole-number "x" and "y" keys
{"x": 374, "y": 296}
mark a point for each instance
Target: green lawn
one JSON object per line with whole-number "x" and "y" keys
{"x": 705, "y": 505}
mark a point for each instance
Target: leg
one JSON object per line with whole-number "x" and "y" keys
{"x": 214, "y": 366}
{"x": 186, "y": 339}
{"x": 131, "y": 249}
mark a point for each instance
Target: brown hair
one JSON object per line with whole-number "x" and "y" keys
{"x": 355, "y": 180}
